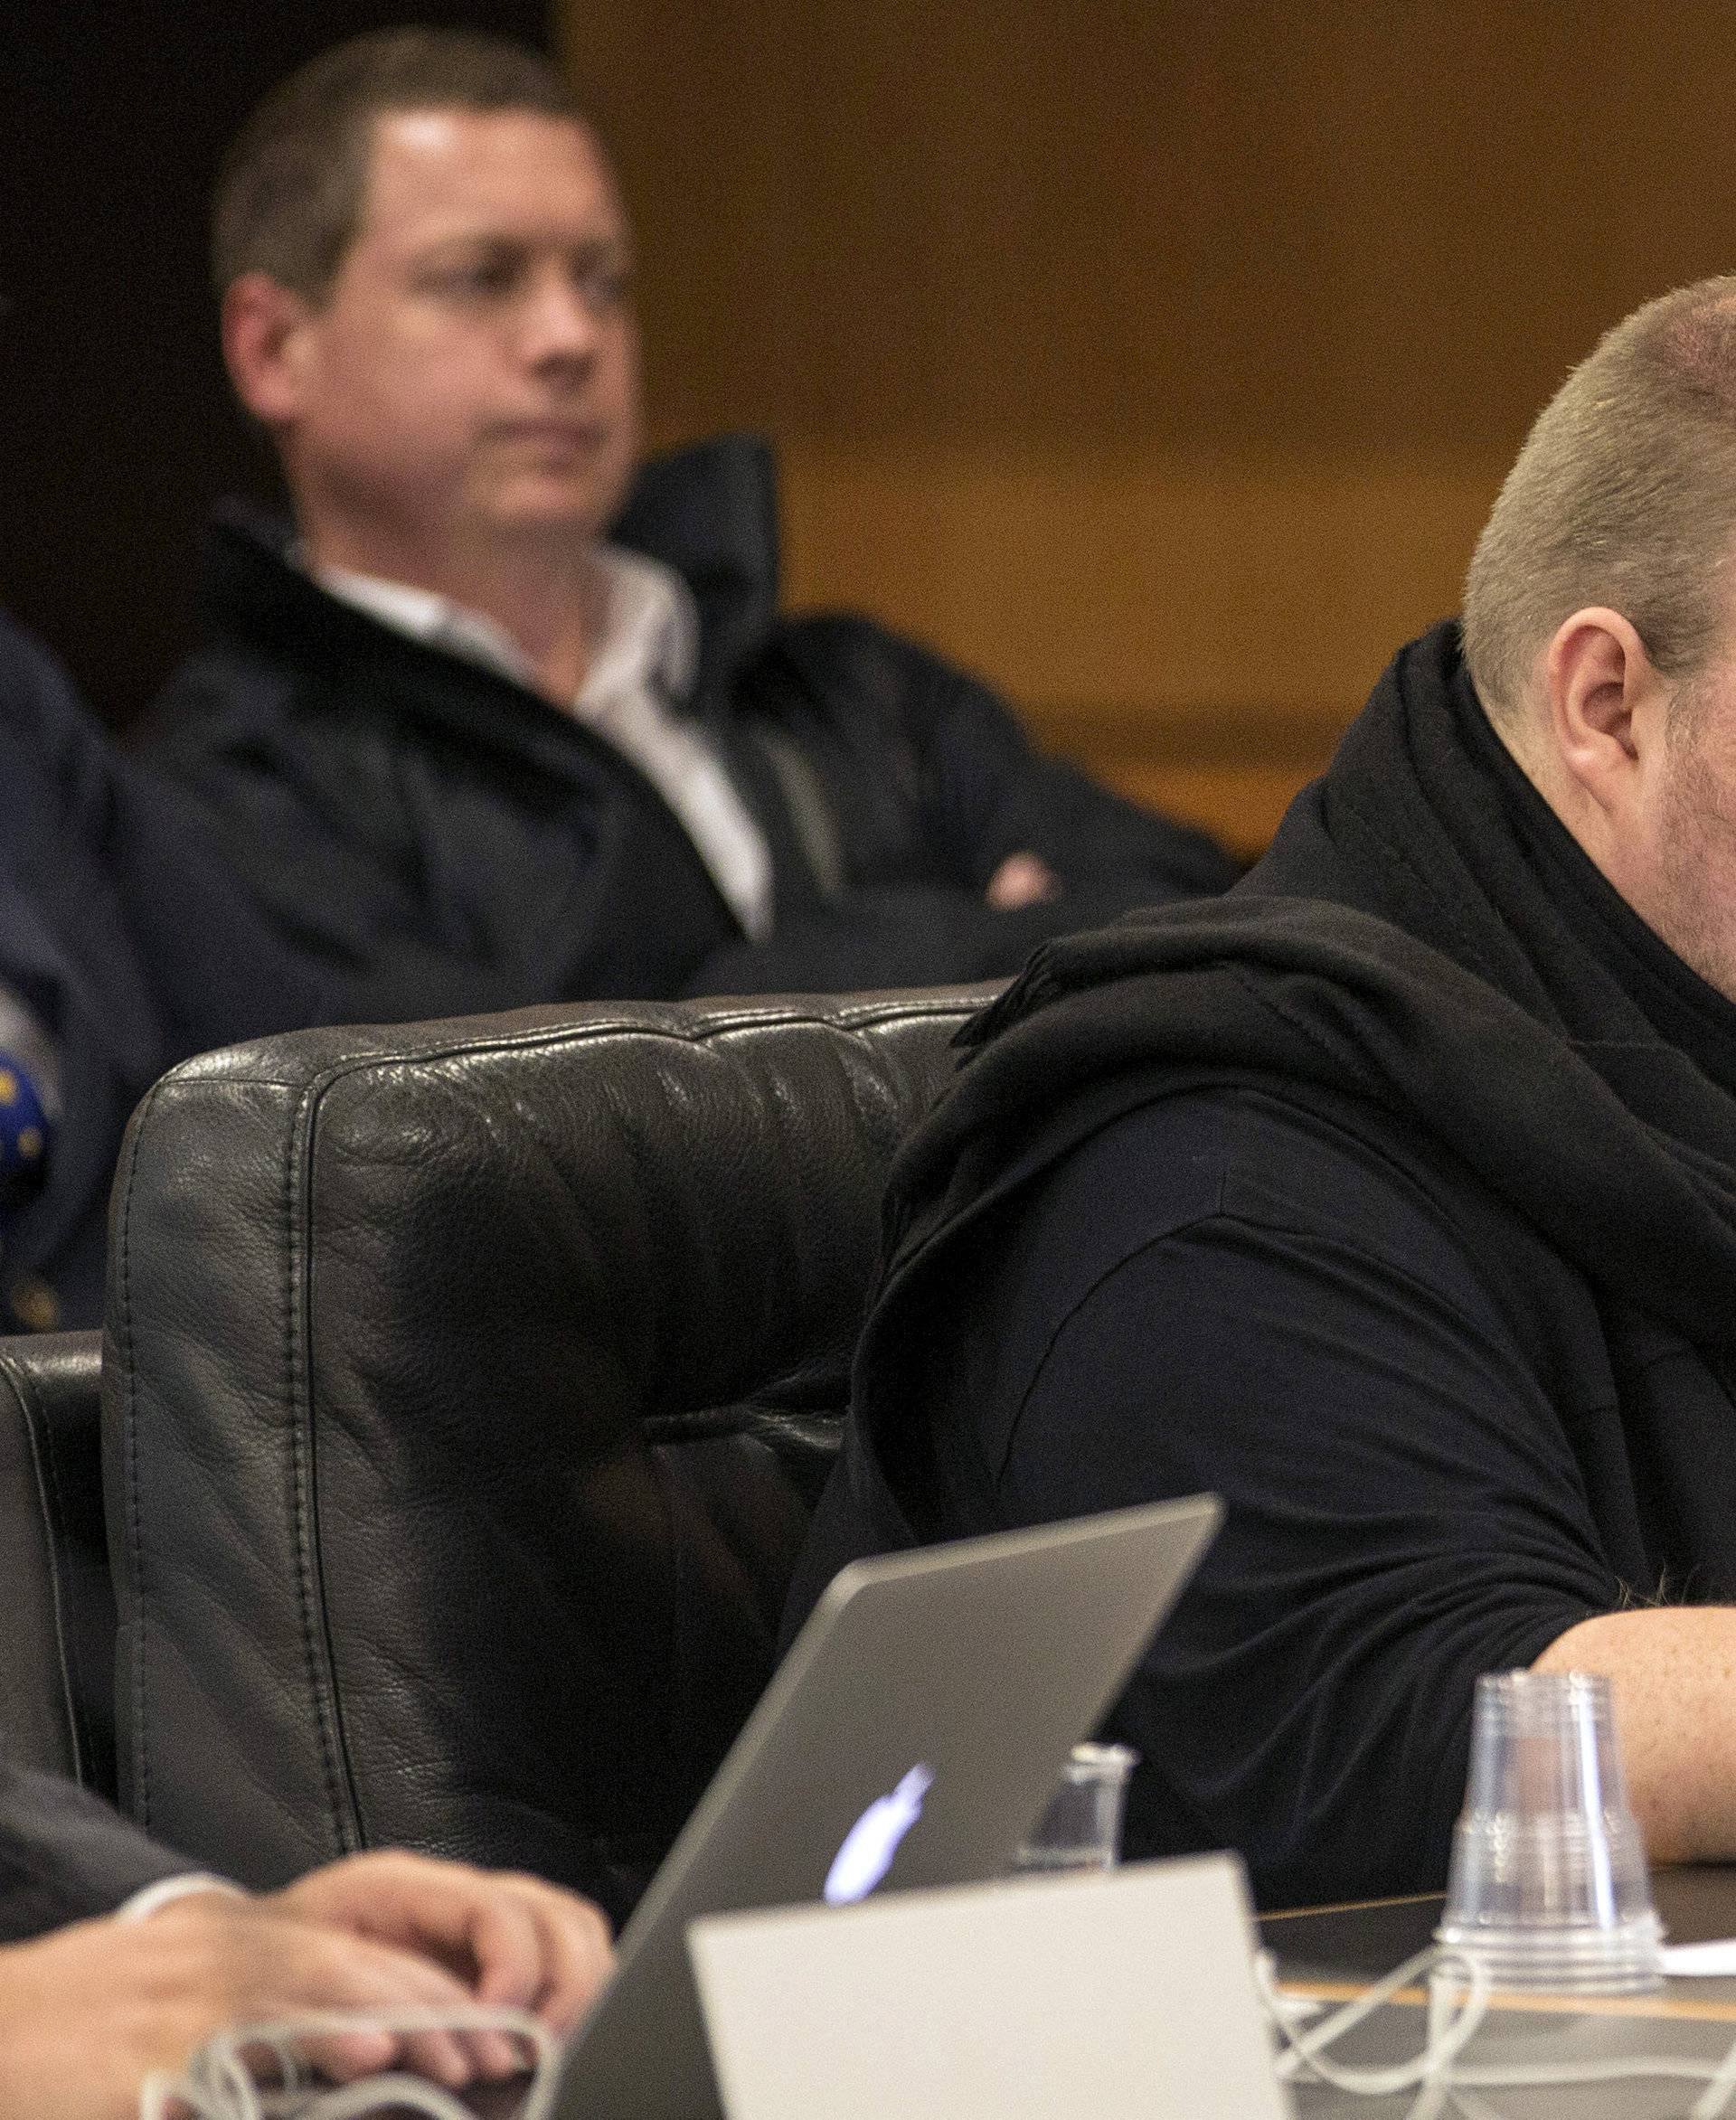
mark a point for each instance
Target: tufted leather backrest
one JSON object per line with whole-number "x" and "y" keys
{"x": 468, "y": 1386}
{"x": 57, "y": 1644}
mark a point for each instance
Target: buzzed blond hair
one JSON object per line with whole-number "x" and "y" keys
{"x": 1623, "y": 495}
{"x": 289, "y": 192}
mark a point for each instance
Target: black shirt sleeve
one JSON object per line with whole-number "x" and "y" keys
{"x": 1225, "y": 1294}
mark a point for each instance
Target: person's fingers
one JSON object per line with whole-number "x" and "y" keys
{"x": 577, "y": 1955}
{"x": 506, "y": 1949}
{"x": 449, "y": 1911}
{"x": 309, "y": 1969}
{"x": 530, "y": 1945}
{"x": 520, "y": 1942}
{"x": 505, "y": 1944}
{"x": 344, "y": 2058}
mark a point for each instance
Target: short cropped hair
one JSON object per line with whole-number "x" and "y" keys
{"x": 289, "y": 192}
{"x": 1624, "y": 495}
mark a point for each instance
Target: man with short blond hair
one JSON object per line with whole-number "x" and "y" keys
{"x": 294, "y": 182}
{"x": 1624, "y": 495}
{"x": 1393, "y": 1196}
{"x": 489, "y": 728}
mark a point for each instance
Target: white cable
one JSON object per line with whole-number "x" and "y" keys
{"x": 1716, "y": 2096}
{"x": 1528, "y": 2075}
{"x": 219, "y": 2085}
{"x": 1307, "y": 2050}
{"x": 1434, "y": 2072}
{"x": 379, "y": 2093}
{"x": 1434, "y": 2092}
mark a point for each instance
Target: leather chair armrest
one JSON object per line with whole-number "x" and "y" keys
{"x": 57, "y": 1648}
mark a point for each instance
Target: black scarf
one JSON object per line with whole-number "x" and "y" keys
{"x": 1424, "y": 935}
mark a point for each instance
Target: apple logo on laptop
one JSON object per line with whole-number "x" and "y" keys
{"x": 873, "y": 1841}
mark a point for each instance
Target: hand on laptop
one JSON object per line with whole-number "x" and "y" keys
{"x": 87, "y": 2013}
{"x": 515, "y": 1941}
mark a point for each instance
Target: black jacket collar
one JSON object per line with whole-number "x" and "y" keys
{"x": 709, "y": 511}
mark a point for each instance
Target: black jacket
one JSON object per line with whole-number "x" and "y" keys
{"x": 441, "y": 840}
{"x": 120, "y": 929}
{"x": 1393, "y": 1196}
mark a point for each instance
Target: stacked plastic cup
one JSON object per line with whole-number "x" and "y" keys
{"x": 1549, "y": 1886}
{"x": 1082, "y": 1828}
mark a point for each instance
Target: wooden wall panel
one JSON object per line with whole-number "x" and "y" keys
{"x": 1158, "y": 357}
{"x": 1195, "y": 628}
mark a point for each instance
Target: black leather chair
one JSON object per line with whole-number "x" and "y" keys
{"x": 468, "y": 1387}
{"x": 57, "y": 1644}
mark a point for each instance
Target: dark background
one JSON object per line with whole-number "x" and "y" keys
{"x": 117, "y": 430}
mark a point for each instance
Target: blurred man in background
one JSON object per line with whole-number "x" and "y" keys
{"x": 494, "y": 725}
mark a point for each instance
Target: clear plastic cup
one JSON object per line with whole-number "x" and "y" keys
{"x": 1549, "y": 1885}
{"x": 1082, "y": 1828}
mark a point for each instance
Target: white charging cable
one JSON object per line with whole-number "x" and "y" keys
{"x": 218, "y": 2083}
{"x": 1434, "y": 2073}
{"x": 1450, "y": 2030}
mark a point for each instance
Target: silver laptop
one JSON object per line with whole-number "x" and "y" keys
{"x": 911, "y": 1737}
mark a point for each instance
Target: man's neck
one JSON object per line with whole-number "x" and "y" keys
{"x": 551, "y": 601}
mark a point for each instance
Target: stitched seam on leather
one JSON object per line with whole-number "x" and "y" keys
{"x": 140, "y": 1734}
{"x": 38, "y": 1435}
{"x": 48, "y": 1476}
{"x": 868, "y": 1016}
{"x": 298, "y": 1369}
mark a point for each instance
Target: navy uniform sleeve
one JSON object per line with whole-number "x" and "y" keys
{"x": 1404, "y": 1510}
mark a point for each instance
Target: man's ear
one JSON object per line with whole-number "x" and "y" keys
{"x": 265, "y": 327}
{"x": 1606, "y": 701}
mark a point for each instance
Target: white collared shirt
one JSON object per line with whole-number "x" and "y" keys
{"x": 646, "y": 657}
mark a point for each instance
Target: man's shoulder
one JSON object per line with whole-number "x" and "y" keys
{"x": 274, "y": 643}
{"x": 40, "y": 705}
{"x": 1200, "y": 1222}
{"x": 1327, "y": 1173}
{"x": 238, "y": 727}
{"x": 221, "y": 692}
{"x": 302, "y": 663}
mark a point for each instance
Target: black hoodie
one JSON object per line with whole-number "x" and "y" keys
{"x": 1395, "y": 1197}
